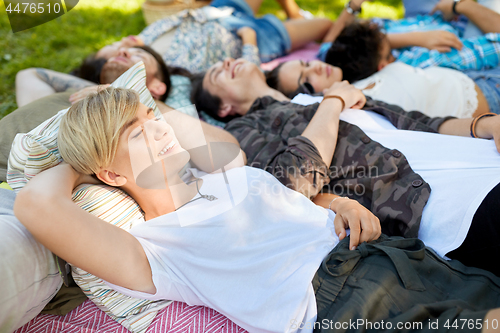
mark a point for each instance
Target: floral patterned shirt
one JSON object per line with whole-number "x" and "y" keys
{"x": 199, "y": 41}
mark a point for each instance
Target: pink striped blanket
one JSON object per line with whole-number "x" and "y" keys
{"x": 177, "y": 317}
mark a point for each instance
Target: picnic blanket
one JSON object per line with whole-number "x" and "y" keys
{"x": 177, "y": 317}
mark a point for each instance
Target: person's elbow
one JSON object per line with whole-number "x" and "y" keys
{"x": 24, "y": 78}
{"x": 24, "y": 199}
{"x": 30, "y": 204}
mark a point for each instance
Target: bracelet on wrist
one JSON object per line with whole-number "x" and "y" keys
{"x": 330, "y": 205}
{"x": 350, "y": 10}
{"x": 337, "y": 97}
{"x": 474, "y": 123}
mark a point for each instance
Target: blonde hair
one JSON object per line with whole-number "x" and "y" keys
{"x": 89, "y": 132}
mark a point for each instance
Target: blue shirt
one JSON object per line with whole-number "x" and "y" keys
{"x": 478, "y": 53}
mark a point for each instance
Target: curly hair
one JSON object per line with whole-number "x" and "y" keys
{"x": 357, "y": 50}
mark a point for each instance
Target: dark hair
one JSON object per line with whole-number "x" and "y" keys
{"x": 357, "y": 50}
{"x": 272, "y": 77}
{"x": 272, "y": 80}
{"x": 163, "y": 73}
{"x": 205, "y": 101}
{"x": 91, "y": 69}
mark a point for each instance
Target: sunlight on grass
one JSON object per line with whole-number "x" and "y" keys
{"x": 382, "y": 10}
{"x": 124, "y": 6}
{"x": 63, "y": 43}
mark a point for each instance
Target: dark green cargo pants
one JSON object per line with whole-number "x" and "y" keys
{"x": 396, "y": 284}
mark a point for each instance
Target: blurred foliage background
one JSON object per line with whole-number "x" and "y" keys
{"x": 62, "y": 44}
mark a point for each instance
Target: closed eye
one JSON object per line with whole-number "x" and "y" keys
{"x": 138, "y": 134}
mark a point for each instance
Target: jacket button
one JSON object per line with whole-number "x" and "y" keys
{"x": 277, "y": 122}
{"x": 416, "y": 183}
{"x": 396, "y": 153}
{"x": 365, "y": 139}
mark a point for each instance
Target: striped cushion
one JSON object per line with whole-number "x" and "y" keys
{"x": 177, "y": 317}
{"x": 37, "y": 150}
{"x": 114, "y": 206}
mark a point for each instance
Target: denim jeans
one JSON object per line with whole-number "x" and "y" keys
{"x": 272, "y": 37}
{"x": 489, "y": 83}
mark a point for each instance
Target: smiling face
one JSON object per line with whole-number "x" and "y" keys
{"x": 235, "y": 82}
{"x": 145, "y": 141}
{"x": 111, "y": 50}
{"x": 123, "y": 59}
{"x": 318, "y": 74}
{"x": 117, "y": 138}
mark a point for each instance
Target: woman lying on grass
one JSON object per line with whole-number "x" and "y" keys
{"x": 238, "y": 241}
{"x": 435, "y": 91}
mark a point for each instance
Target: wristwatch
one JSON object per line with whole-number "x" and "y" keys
{"x": 350, "y": 10}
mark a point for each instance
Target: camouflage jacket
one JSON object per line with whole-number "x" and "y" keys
{"x": 379, "y": 178}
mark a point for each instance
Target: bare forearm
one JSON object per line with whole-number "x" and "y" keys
{"x": 324, "y": 199}
{"x": 344, "y": 19}
{"x": 291, "y": 8}
{"x": 29, "y": 88}
{"x": 77, "y": 236}
{"x": 248, "y": 36}
{"x": 484, "y": 128}
{"x": 458, "y": 127}
{"x": 60, "y": 81}
{"x": 401, "y": 40}
{"x": 35, "y": 83}
{"x": 484, "y": 18}
{"x": 323, "y": 128}
{"x": 193, "y": 133}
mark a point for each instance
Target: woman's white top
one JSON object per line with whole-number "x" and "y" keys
{"x": 251, "y": 254}
{"x": 435, "y": 91}
{"x": 461, "y": 171}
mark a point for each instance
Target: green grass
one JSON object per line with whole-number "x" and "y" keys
{"x": 61, "y": 44}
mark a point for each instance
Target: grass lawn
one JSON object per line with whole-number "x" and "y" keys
{"x": 61, "y": 44}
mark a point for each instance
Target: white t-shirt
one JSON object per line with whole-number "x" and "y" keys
{"x": 461, "y": 171}
{"x": 435, "y": 91}
{"x": 251, "y": 254}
